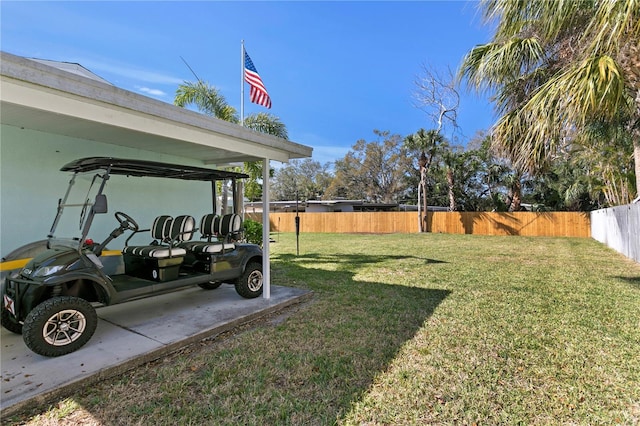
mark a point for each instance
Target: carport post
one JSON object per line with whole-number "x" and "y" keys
{"x": 266, "y": 264}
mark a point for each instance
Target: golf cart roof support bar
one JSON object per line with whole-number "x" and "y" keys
{"x": 214, "y": 196}
{"x": 234, "y": 194}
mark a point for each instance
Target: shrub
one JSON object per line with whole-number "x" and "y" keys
{"x": 253, "y": 231}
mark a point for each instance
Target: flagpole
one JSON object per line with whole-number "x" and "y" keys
{"x": 242, "y": 83}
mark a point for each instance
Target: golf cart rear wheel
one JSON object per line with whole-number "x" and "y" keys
{"x": 211, "y": 285}
{"x": 59, "y": 326}
{"x": 9, "y": 322}
{"x": 249, "y": 285}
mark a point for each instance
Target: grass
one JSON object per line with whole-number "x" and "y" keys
{"x": 406, "y": 329}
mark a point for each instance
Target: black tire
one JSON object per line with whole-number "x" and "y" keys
{"x": 211, "y": 285}
{"x": 10, "y": 323}
{"x": 59, "y": 326}
{"x": 249, "y": 285}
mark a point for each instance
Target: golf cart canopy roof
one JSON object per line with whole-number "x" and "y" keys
{"x": 127, "y": 167}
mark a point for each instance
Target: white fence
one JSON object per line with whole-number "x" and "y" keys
{"x": 619, "y": 228}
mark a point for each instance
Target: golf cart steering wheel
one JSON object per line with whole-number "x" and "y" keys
{"x": 126, "y": 222}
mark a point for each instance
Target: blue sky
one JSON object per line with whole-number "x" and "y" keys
{"x": 335, "y": 70}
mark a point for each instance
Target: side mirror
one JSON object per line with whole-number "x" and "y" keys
{"x": 100, "y": 205}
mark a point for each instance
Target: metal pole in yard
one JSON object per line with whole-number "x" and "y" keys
{"x": 297, "y": 228}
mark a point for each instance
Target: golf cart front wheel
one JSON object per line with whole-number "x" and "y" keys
{"x": 59, "y": 326}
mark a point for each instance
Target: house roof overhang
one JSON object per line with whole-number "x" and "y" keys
{"x": 37, "y": 96}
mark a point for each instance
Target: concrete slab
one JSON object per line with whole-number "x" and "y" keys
{"x": 128, "y": 335}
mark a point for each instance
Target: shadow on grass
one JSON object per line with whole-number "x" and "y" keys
{"x": 353, "y": 331}
{"x": 634, "y": 281}
{"x": 352, "y": 259}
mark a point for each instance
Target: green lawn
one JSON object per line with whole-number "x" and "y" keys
{"x": 407, "y": 329}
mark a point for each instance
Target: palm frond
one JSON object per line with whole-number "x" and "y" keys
{"x": 613, "y": 21}
{"x": 491, "y": 65}
{"x": 266, "y": 123}
{"x": 206, "y": 98}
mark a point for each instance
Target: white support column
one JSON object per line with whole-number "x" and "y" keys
{"x": 266, "y": 201}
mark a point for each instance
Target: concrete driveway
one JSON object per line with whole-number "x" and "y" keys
{"x": 128, "y": 335}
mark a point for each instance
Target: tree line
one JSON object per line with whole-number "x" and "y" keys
{"x": 473, "y": 178}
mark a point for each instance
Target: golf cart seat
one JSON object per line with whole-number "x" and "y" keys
{"x": 230, "y": 227}
{"x": 166, "y": 233}
{"x": 161, "y": 259}
{"x": 209, "y": 231}
{"x": 216, "y": 231}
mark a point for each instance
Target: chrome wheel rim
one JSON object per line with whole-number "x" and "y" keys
{"x": 254, "y": 281}
{"x": 64, "y": 327}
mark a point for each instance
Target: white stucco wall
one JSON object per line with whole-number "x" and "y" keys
{"x": 31, "y": 184}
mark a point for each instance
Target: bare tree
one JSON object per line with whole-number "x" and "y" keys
{"x": 435, "y": 94}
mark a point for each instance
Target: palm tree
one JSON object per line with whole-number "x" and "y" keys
{"x": 556, "y": 67}
{"x": 611, "y": 174}
{"x": 453, "y": 160}
{"x": 514, "y": 186}
{"x": 426, "y": 142}
{"x": 207, "y": 99}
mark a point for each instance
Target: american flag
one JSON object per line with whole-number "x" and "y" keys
{"x": 257, "y": 93}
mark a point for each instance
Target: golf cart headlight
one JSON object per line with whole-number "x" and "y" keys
{"x": 44, "y": 271}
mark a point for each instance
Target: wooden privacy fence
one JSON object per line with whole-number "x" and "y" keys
{"x": 552, "y": 224}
